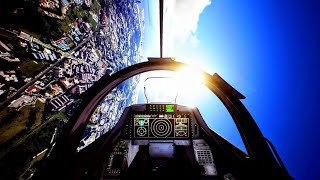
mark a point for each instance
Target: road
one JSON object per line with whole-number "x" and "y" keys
{"x": 62, "y": 58}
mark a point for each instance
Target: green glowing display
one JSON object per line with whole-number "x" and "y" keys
{"x": 170, "y": 108}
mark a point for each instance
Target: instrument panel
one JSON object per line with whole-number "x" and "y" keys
{"x": 161, "y": 126}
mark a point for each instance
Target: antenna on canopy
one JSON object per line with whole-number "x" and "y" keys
{"x": 161, "y": 27}
{"x": 161, "y": 38}
{"x": 161, "y": 58}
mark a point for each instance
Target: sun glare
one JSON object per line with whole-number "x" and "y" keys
{"x": 190, "y": 84}
{"x": 188, "y": 75}
{"x": 164, "y": 86}
{"x": 161, "y": 89}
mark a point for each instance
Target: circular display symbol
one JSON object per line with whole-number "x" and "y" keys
{"x": 141, "y": 131}
{"x": 161, "y": 128}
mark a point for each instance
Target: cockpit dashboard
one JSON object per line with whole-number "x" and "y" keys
{"x": 163, "y": 140}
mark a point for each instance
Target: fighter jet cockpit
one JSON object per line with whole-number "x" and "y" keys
{"x": 162, "y": 139}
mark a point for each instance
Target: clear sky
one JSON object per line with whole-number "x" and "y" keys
{"x": 269, "y": 51}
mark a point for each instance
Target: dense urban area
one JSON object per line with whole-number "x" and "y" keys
{"x": 51, "y": 52}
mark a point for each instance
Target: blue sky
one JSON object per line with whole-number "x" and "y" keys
{"x": 269, "y": 51}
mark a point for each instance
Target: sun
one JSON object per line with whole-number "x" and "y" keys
{"x": 190, "y": 83}
{"x": 182, "y": 86}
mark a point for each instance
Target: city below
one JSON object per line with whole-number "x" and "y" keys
{"x": 51, "y": 52}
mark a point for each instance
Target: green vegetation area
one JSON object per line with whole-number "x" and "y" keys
{"x": 19, "y": 159}
{"x": 43, "y": 27}
{"x": 33, "y": 162}
{"x": 96, "y": 7}
{"x": 13, "y": 122}
{"x": 92, "y": 21}
{"x": 71, "y": 16}
{"x": 59, "y": 115}
{"x": 29, "y": 68}
{"x": 17, "y": 156}
{"x": 75, "y": 13}
{"x": 98, "y": 53}
{"x": 37, "y": 115}
{"x": 63, "y": 27}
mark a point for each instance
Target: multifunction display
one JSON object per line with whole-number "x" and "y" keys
{"x": 156, "y": 126}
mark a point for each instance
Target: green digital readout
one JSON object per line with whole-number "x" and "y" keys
{"x": 169, "y": 108}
